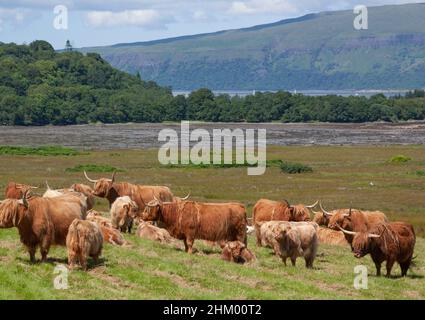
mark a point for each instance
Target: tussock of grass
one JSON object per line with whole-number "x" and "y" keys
{"x": 400, "y": 159}
{"x": 420, "y": 173}
{"x": 94, "y": 168}
{"x": 294, "y": 167}
{"x": 39, "y": 151}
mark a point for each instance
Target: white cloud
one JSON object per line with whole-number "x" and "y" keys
{"x": 149, "y": 18}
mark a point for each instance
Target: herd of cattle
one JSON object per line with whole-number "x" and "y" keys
{"x": 66, "y": 217}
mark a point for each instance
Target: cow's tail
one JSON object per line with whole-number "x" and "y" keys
{"x": 413, "y": 263}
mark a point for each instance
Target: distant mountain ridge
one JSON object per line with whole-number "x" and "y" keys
{"x": 315, "y": 51}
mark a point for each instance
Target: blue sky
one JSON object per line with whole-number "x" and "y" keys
{"x": 105, "y": 22}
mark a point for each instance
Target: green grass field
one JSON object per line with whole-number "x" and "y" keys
{"x": 361, "y": 176}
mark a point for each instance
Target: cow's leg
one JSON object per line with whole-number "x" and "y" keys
{"x": 188, "y": 243}
{"x": 83, "y": 261}
{"x": 31, "y": 251}
{"x": 284, "y": 260}
{"x": 130, "y": 226}
{"x": 390, "y": 263}
{"x": 276, "y": 249}
{"x": 71, "y": 260}
{"x": 309, "y": 262}
{"x": 258, "y": 234}
{"x": 293, "y": 261}
{"x": 405, "y": 267}
{"x": 378, "y": 268}
{"x": 44, "y": 248}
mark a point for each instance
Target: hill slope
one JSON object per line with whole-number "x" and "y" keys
{"x": 317, "y": 51}
{"x": 39, "y": 86}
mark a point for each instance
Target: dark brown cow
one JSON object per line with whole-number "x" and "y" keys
{"x": 109, "y": 189}
{"x": 41, "y": 222}
{"x": 390, "y": 242}
{"x": 268, "y": 210}
{"x": 16, "y": 190}
{"x": 189, "y": 220}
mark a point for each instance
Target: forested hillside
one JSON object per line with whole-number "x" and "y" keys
{"x": 39, "y": 86}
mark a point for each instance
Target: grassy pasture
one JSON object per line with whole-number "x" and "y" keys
{"x": 341, "y": 176}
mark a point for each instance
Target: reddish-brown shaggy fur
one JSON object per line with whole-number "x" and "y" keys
{"x": 84, "y": 240}
{"x": 16, "y": 190}
{"x": 188, "y": 220}
{"x": 236, "y": 251}
{"x": 105, "y": 188}
{"x": 268, "y": 210}
{"x": 395, "y": 244}
{"x": 43, "y": 223}
{"x": 332, "y": 237}
{"x": 357, "y": 221}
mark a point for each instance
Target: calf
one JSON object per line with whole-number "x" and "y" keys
{"x": 110, "y": 235}
{"x": 236, "y": 251}
{"x": 148, "y": 231}
{"x": 84, "y": 239}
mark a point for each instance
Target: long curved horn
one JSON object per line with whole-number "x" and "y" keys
{"x": 316, "y": 212}
{"x": 313, "y": 205}
{"x": 187, "y": 197}
{"x": 113, "y": 177}
{"x": 324, "y": 211}
{"x": 87, "y": 177}
{"x": 48, "y": 187}
{"x": 371, "y": 235}
{"x": 346, "y": 231}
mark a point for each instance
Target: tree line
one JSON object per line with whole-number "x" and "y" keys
{"x": 39, "y": 86}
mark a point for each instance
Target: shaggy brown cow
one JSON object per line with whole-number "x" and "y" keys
{"x": 298, "y": 239}
{"x": 84, "y": 240}
{"x": 355, "y": 220}
{"x": 390, "y": 242}
{"x": 110, "y": 234}
{"x": 268, "y": 232}
{"x": 84, "y": 196}
{"x": 236, "y": 251}
{"x": 17, "y": 190}
{"x": 268, "y": 210}
{"x": 41, "y": 222}
{"x": 109, "y": 189}
{"x": 189, "y": 220}
{"x": 123, "y": 212}
{"x": 87, "y": 191}
{"x": 321, "y": 218}
{"x": 97, "y": 217}
{"x": 332, "y": 237}
{"x": 148, "y": 231}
